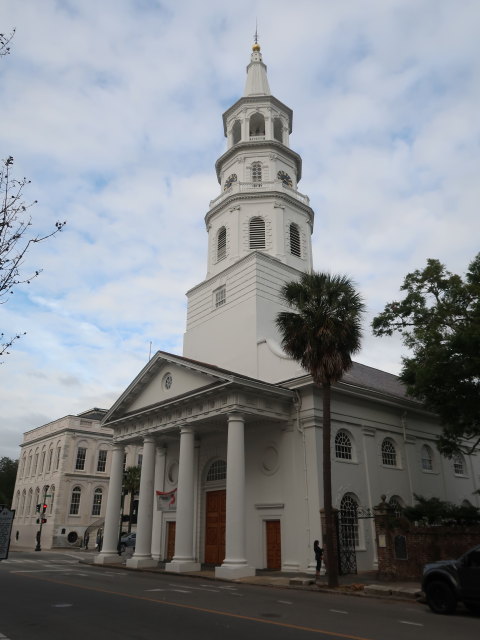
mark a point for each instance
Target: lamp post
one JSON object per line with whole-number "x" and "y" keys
{"x": 43, "y": 509}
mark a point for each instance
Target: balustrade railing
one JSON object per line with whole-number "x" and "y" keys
{"x": 265, "y": 185}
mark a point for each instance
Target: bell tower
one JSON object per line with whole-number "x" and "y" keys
{"x": 259, "y": 236}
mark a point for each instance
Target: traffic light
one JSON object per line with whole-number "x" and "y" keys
{"x": 44, "y": 507}
{"x": 38, "y": 508}
{"x": 44, "y": 520}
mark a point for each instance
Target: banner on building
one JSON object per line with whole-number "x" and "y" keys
{"x": 166, "y": 500}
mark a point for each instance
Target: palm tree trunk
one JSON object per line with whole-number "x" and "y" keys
{"x": 330, "y": 525}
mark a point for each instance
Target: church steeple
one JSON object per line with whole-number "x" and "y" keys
{"x": 259, "y": 224}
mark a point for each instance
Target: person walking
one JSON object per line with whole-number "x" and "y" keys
{"x": 318, "y": 551}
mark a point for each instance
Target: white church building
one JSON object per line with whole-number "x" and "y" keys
{"x": 232, "y": 430}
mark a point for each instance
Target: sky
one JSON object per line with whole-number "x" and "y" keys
{"x": 113, "y": 110}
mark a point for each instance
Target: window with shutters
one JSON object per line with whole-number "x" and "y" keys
{"x": 257, "y": 233}
{"x": 222, "y": 244}
{"x": 295, "y": 248}
{"x": 257, "y": 174}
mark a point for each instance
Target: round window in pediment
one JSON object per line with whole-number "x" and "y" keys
{"x": 167, "y": 381}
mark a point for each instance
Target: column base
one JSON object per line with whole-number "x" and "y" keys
{"x": 233, "y": 572}
{"x": 183, "y": 567}
{"x": 143, "y": 561}
{"x": 107, "y": 558}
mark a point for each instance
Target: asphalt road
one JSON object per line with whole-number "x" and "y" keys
{"x": 50, "y": 596}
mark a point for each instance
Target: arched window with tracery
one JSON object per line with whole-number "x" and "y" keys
{"x": 75, "y": 501}
{"x": 343, "y": 446}
{"x": 427, "y": 458}
{"x": 257, "y": 233}
{"x": 389, "y": 453}
{"x": 52, "y": 499}
{"x": 29, "y": 502}
{"x": 295, "y": 247}
{"x": 217, "y": 471}
{"x": 349, "y": 521}
{"x": 221, "y": 243}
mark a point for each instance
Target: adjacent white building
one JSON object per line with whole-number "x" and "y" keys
{"x": 232, "y": 430}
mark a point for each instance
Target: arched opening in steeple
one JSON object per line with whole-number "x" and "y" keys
{"x": 236, "y": 132}
{"x": 257, "y": 233}
{"x": 278, "y": 129}
{"x": 257, "y": 126}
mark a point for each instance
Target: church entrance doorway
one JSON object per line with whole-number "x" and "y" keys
{"x": 274, "y": 545}
{"x": 215, "y": 511}
{"x": 170, "y": 552}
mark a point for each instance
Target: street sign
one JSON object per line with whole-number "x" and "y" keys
{"x": 6, "y": 520}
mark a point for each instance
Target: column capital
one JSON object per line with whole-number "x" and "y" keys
{"x": 118, "y": 446}
{"x": 235, "y": 415}
{"x": 185, "y": 428}
{"x": 148, "y": 438}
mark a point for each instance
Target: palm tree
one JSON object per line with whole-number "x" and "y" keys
{"x": 322, "y": 334}
{"x": 131, "y": 485}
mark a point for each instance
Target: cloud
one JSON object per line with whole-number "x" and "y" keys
{"x": 113, "y": 110}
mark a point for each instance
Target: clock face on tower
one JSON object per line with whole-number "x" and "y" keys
{"x": 229, "y": 181}
{"x": 284, "y": 178}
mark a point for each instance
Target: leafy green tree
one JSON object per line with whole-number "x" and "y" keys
{"x": 322, "y": 333}
{"x": 433, "y": 511}
{"x": 131, "y": 486}
{"x": 8, "y": 475}
{"x": 439, "y": 321}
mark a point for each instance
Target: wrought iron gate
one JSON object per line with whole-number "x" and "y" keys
{"x": 347, "y": 538}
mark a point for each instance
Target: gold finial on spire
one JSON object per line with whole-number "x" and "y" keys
{"x": 256, "y": 46}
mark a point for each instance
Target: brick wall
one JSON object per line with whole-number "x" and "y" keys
{"x": 421, "y": 544}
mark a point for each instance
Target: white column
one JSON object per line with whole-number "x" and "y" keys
{"x": 184, "y": 559}
{"x": 143, "y": 544}
{"x": 109, "y": 552}
{"x": 235, "y": 563}
{"x": 159, "y": 485}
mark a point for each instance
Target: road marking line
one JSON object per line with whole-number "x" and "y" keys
{"x": 40, "y": 570}
{"x": 284, "y": 602}
{"x": 155, "y": 589}
{"x": 415, "y": 624}
{"x": 4, "y": 637}
{"x": 181, "y": 591}
{"x": 338, "y": 611}
{"x": 216, "y": 612}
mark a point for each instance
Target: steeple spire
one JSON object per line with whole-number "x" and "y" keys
{"x": 257, "y": 81}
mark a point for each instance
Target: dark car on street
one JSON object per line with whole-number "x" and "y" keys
{"x": 447, "y": 582}
{"x": 128, "y": 540}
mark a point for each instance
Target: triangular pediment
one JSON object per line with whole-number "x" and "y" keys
{"x": 164, "y": 379}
